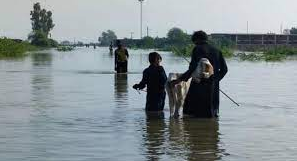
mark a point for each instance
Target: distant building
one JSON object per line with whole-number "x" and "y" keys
{"x": 259, "y": 40}
{"x": 286, "y": 31}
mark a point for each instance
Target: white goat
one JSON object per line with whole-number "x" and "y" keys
{"x": 178, "y": 93}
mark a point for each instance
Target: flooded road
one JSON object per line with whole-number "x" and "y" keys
{"x": 72, "y": 107}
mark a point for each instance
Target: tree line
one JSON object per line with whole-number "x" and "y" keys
{"x": 175, "y": 36}
{"x": 176, "y": 40}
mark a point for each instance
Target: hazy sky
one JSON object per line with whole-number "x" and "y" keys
{"x": 86, "y": 19}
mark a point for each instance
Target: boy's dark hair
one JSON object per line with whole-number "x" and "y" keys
{"x": 199, "y": 36}
{"x": 153, "y": 56}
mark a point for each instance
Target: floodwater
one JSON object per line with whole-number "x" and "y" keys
{"x": 70, "y": 106}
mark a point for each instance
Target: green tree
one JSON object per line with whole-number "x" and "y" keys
{"x": 107, "y": 37}
{"x": 176, "y": 36}
{"x": 293, "y": 30}
{"x": 42, "y": 24}
{"x": 39, "y": 38}
{"x": 148, "y": 42}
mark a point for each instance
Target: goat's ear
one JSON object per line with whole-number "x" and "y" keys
{"x": 211, "y": 72}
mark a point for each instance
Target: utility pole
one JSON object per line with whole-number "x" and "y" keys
{"x": 147, "y": 31}
{"x": 247, "y": 27}
{"x": 141, "y": 1}
{"x": 131, "y": 35}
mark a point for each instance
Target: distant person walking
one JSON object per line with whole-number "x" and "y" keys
{"x": 111, "y": 47}
{"x": 203, "y": 98}
{"x": 121, "y": 58}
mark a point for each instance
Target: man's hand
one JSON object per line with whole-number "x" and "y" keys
{"x": 174, "y": 82}
{"x": 205, "y": 75}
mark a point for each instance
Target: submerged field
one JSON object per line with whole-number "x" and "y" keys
{"x": 71, "y": 106}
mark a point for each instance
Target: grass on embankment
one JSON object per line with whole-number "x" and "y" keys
{"x": 12, "y": 49}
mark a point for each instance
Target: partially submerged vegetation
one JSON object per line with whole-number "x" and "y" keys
{"x": 65, "y": 48}
{"x": 273, "y": 54}
{"x": 11, "y": 48}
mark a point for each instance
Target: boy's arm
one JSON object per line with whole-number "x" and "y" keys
{"x": 143, "y": 82}
{"x": 127, "y": 53}
{"x": 115, "y": 59}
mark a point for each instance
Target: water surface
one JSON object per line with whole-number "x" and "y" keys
{"x": 71, "y": 106}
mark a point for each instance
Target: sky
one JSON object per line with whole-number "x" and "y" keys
{"x": 85, "y": 20}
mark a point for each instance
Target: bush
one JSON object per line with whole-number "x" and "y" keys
{"x": 65, "y": 48}
{"x": 11, "y": 48}
{"x": 53, "y": 43}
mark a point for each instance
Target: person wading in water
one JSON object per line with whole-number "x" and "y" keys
{"x": 154, "y": 78}
{"x": 202, "y": 99}
{"x": 111, "y": 48}
{"x": 121, "y": 58}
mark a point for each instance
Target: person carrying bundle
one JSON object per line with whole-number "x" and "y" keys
{"x": 121, "y": 58}
{"x": 203, "y": 96}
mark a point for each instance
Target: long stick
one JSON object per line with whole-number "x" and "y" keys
{"x": 229, "y": 97}
{"x": 138, "y": 90}
{"x": 220, "y": 89}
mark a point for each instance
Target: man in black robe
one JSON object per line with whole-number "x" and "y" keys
{"x": 203, "y": 98}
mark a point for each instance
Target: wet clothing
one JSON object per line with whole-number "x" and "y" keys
{"x": 199, "y": 100}
{"x": 121, "y": 60}
{"x": 203, "y": 98}
{"x": 154, "y": 78}
{"x": 122, "y": 67}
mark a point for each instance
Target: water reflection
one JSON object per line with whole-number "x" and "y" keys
{"x": 201, "y": 137}
{"x": 121, "y": 87}
{"x": 42, "y": 59}
{"x": 182, "y": 139}
{"x": 42, "y": 99}
{"x": 155, "y": 135}
{"x": 42, "y": 79}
